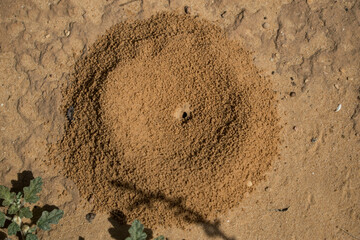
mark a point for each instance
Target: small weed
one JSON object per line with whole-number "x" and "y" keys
{"x": 137, "y": 232}
{"x": 17, "y": 209}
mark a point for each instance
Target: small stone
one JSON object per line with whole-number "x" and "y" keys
{"x": 47, "y": 36}
{"x": 70, "y": 113}
{"x": 314, "y": 139}
{"x": 293, "y": 94}
{"x": 67, "y": 33}
{"x": 336, "y": 86}
{"x": 338, "y": 108}
{"x": 90, "y": 217}
{"x": 187, "y": 9}
{"x": 266, "y": 25}
{"x": 295, "y": 128}
{"x": 249, "y": 183}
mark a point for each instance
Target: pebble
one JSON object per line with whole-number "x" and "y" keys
{"x": 336, "y": 86}
{"x": 90, "y": 217}
{"x": 314, "y": 139}
{"x": 338, "y": 108}
{"x": 70, "y": 113}
{"x": 249, "y": 183}
{"x": 187, "y": 9}
{"x": 266, "y": 25}
{"x": 295, "y": 128}
{"x": 67, "y": 33}
{"x": 293, "y": 94}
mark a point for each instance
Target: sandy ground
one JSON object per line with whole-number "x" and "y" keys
{"x": 309, "y": 48}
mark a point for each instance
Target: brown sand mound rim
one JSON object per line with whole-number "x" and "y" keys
{"x": 172, "y": 122}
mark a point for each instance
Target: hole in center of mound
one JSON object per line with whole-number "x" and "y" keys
{"x": 141, "y": 121}
{"x": 126, "y": 149}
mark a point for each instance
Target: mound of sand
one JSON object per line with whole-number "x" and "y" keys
{"x": 171, "y": 122}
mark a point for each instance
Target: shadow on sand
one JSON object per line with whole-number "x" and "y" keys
{"x": 118, "y": 219}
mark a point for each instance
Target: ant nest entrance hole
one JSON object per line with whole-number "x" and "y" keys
{"x": 183, "y": 113}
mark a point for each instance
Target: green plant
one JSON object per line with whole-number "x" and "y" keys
{"x": 17, "y": 210}
{"x": 137, "y": 232}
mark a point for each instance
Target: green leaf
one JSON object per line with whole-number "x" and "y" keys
{"x": 13, "y": 228}
{"x": 47, "y": 218}
{"x": 2, "y": 219}
{"x": 7, "y": 196}
{"x": 4, "y": 192}
{"x": 30, "y": 236}
{"x": 18, "y": 196}
{"x": 160, "y": 238}
{"x": 13, "y": 209}
{"x": 31, "y": 191}
{"x": 136, "y": 231}
{"x": 25, "y": 212}
{"x": 32, "y": 229}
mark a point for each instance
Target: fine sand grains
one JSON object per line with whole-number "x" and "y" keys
{"x": 171, "y": 122}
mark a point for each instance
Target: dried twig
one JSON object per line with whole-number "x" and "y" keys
{"x": 357, "y": 238}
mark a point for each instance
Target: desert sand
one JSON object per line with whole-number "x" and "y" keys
{"x": 308, "y": 49}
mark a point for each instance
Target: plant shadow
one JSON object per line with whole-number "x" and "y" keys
{"x": 176, "y": 205}
{"x": 23, "y": 180}
{"x": 3, "y": 236}
{"x": 120, "y": 230}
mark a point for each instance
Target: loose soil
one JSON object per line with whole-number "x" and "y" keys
{"x": 169, "y": 122}
{"x": 308, "y": 49}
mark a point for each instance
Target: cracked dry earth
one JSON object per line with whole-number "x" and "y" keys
{"x": 308, "y": 49}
